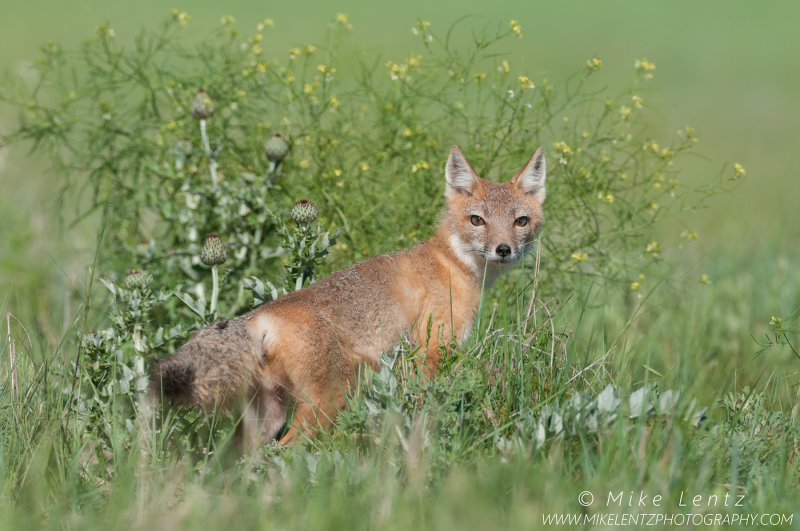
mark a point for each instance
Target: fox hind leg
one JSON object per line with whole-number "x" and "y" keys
{"x": 321, "y": 373}
{"x": 263, "y": 417}
{"x": 312, "y": 416}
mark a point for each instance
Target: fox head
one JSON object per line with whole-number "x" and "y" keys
{"x": 492, "y": 224}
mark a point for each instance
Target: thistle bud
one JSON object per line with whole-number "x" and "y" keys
{"x": 304, "y": 212}
{"x": 137, "y": 279}
{"x": 213, "y": 252}
{"x": 276, "y": 147}
{"x": 202, "y": 106}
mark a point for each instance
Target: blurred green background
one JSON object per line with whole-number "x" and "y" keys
{"x": 727, "y": 68}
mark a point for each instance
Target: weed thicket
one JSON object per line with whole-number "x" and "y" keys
{"x": 174, "y": 142}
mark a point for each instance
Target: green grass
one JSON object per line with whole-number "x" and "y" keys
{"x": 463, "y": 457}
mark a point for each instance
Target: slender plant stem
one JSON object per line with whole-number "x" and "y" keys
{"x": 214, "y": 289}
{"x": 212, "y": 163}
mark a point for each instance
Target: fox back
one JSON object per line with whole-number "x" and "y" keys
{"x": 305, "y": 346}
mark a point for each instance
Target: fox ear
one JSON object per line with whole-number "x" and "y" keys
{"x": 461, "y": 178}
{"x": 530, "y": 179}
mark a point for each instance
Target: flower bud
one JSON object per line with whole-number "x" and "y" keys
{"x": 202, "y": 106}
{"x": 213, "y": 252}
{"x": 276, "y": 147}
{"x": 304, "y": 212}
{"x": 137, "y": 279}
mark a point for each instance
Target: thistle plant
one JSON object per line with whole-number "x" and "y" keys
{"x": 112, "y": 367}
{"x": 203, "y": 108}
{"x": 305, "y": 243}
{"x": 276, "y": 149}
{"x": 213, "y": 254}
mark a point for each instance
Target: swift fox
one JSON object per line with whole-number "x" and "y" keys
{"x": 305, "y": 346}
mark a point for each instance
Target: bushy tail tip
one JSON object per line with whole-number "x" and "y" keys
{"x": 173, "y": 382}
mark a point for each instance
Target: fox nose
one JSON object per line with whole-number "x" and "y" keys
{"x": 503, "y": 250}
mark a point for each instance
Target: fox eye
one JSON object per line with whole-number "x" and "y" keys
{"x": 521, "y": 221}
{"x": 476, "y": 220}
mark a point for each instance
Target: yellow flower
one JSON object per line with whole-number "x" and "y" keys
{"x": 397, "y": 71}
{"x": 579, "y": 257}
{"x": 516, "y": 28}
{"x": 183, "y": 18}
{"x": 342, "y": 18}
{"x": 268, "y": 23}
{"x": 644, "y": 64}
{"x": 739, "y": 170}
{"x": 607, "y": 197}
{"x": 652, "y": 248}
{"x": 419, "y": 166}
{"x": 625, "y": 112}
{"x": 424, "y": 24}
{"x": 304, "y": 163}
{"x": 227, "y": 19}
{"x": 480, "y": 76}
{"x": 638, "y": 102}
{"x": 595, "y": 63}
{"x": 525, "y": 83}
{"x": 505, "y": 67}
{"x": 406, "y": 132}
{"x": 241, "y": 93}
{"x": 309, "y": 49}
{"x": 308, "y": 88}
{"x": 654, "y": 206}
{"x": 562, "y": 146}
{"x": 705, "y": 279}
{"x": 635, "y": 285}
{"x": 105, "y": 30}
{"x": 334, "y": 102}
{"x": 322, "y": 68}
{"x": 414, "y": 59}
{"x": 363, "y": 166}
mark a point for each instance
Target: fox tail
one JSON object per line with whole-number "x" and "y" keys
{"x": 212, "y": 370}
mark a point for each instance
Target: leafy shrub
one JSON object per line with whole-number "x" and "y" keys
{"x": 367, "y": 142}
